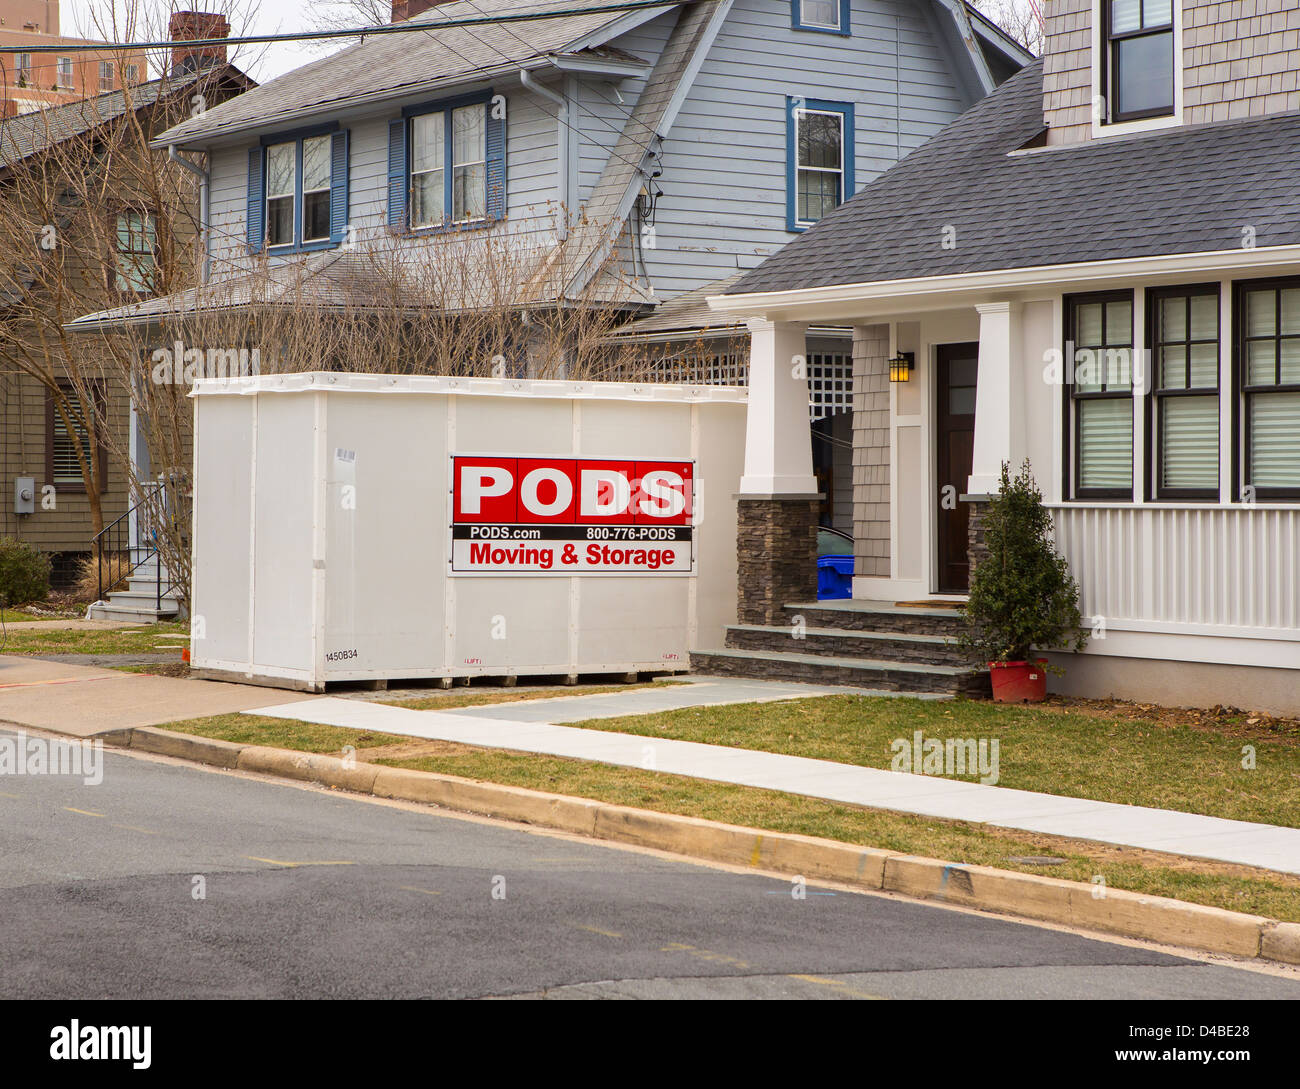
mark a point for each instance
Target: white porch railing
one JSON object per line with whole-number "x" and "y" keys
{"x": 1185, "y": 565}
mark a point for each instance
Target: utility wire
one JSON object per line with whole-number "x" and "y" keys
{"x": 365, "y": 31}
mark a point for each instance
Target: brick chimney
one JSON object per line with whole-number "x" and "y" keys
{"x": 409, "y": 9}
{"x": 193, "y": 26}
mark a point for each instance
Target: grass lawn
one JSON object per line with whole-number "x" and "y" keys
{"x": 137, "y": 640}
{"x": 17, "y": 616}
{"x": 1055, "y": 749}
{"x": 1234, "y": 887}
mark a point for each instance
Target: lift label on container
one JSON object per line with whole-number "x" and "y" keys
{"x": 571, "y": 516}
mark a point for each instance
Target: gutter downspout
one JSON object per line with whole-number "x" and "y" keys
{"x": 561, "y": 150}
{"x": 202, "y": 175}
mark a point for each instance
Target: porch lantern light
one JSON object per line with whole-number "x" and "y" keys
{"x": 900, "y": 367}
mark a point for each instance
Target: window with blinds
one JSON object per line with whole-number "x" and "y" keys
{"x": 1138, "y": 61}
{"x": 1184, "y": 324}
{"x": 1100, "y": 329}
{"x": 65, "y": 467}
{"x": 1268, "y": 320}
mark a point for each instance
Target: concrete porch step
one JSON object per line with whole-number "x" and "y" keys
{"x": 849, "y": 643}
{"x": 858, "y": 672}
{"x": 132, "y": 614}
{"x": 879, "y": 616}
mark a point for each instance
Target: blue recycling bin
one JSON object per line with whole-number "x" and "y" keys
{"x": 834, "y": 577}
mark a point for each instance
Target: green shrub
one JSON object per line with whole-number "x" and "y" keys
{"x": 24, "y": 572}
{"x": 1022, "y": 595}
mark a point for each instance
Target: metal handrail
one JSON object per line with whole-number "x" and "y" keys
{"x": 125, "y": 534}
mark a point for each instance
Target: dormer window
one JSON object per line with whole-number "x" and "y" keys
{"x": 1138, "y": 59}
{"x": 827, "y": 16}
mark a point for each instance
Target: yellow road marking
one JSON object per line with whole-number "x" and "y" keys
{"x": 702, "y": 954}
{"x": 597, "y": 930}
{"x": 135, "y": 828}
{"x": 83, "y": 812}
{"x": 412, "y": 888}
{"x": 758, "y": 847}
{"x": 844, "y": 987}
{"x": 291, "y": 865}
{"x": 6, "y": 794}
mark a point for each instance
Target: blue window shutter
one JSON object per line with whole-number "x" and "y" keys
{"x": 791, "y": 174}
{"x": 338, "y": 185}
{"x": 253, "y": 214}
{"x": 850, "y": 146}
{"x": 397, "y": 174}
{"x": 496, "y": 165}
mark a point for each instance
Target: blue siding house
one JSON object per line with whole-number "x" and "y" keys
{"x": 682, "y": 143}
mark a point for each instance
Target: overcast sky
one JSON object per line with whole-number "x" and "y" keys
{"x": 265, "y": 17}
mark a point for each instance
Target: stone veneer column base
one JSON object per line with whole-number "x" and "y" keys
{"x": 776, "y": 556}
{"x": 976, "y": 549}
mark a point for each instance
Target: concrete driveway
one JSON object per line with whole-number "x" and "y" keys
{"x": 86, "y": 700}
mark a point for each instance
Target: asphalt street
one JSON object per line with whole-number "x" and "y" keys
{"x": 170, "y": 881}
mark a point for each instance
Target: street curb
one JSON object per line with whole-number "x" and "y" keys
{"x": 1030, "y": 896}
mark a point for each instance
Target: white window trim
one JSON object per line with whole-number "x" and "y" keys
{"x": 804, "y": 112}
{"x": 805, "y": 21}
{"x": 65, "y": 72}
{"x": 1100, "y": 104}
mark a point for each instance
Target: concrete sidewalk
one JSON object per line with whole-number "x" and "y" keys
{"x": 86, "y": 700}
{"x": 696, "y": 692}
{"x": 1189, "y": 834}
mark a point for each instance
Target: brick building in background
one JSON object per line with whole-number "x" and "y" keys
{"x": 46, "y": 75}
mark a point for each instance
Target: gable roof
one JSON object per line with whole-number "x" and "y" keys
{"x": 393, "y": 65}
{"x": 31, "y": 133}
{"x": 1190, "y": 189}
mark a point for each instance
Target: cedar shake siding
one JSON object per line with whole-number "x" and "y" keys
{"x": 1240, "y": 58}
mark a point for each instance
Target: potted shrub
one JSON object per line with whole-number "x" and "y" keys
{"x": 1022, "y": 595}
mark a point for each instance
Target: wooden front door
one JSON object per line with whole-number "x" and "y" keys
{"x": 955, "y": 369}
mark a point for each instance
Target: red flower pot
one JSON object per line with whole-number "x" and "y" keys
{"x": 1019, "y": 682}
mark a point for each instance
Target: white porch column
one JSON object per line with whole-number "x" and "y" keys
{"x": 999, "y": 397}
{"x": 778, "y": 444}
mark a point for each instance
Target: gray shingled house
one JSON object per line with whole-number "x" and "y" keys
{"x": 1096, "y": 268}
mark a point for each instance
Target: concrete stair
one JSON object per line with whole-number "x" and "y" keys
{"x": 861, "y": 643}
{"x": 139, "y": 602}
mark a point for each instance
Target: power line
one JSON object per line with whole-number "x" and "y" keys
{"x": 359, "y": 32}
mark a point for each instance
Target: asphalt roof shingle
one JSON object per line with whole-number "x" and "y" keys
{"x": 1178, "y": 190}
{"x": 390, "y": 65}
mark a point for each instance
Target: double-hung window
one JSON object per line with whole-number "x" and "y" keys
{"x": 1268, "y": 367}
{"x": 820, "y": 159}
{"x": 828, "y": 16}
{"x": 297, "y": 191}
{"x": 449, "y": 166}
{"x": 63, "y": 447}
{"x": 1138, "y": 58}
{"x": 1100, "y": 329}
{"x": 137, "y": 251}
{"x": 23, "y": 69}
{"x": 1184, "y": 325}
{"x": 65, "y": 72}
{"x": 105, "y": 76}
